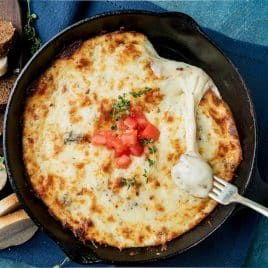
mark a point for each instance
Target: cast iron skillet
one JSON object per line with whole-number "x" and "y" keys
{"x": 175, "y": 36}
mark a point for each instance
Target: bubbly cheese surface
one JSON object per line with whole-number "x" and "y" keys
{"x": 79, "y": 182}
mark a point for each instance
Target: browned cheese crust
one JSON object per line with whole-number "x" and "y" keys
{"x": 79, "y": 182}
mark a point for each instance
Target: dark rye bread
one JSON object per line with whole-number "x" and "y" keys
{"x": 6, "y": 84}
{"x": 7, "y": 33}
{"x": 1, "y": 122}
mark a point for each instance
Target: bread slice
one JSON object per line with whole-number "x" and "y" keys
{"x": 7, "y": 34}
{"x": 15, "y": 229}
{"x": 6, "y": 84}
{"x": 3, "y": 66}
{"x": 9, "y": 204}
{"x": 3, "y": 176}
{"x": 1, "y": 122}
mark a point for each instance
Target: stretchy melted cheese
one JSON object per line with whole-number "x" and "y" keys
{"x": 79, "y": 182}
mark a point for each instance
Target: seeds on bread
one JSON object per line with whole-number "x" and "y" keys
{"x": 7, "y": 34}
{"x": 6, "y": 84}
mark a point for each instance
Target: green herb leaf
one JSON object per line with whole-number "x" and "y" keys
{"x": 137, "y": 94}
{"x": 129, "y": 182}
{"x": 150, "y": 161}
{"x": 152, "y": 149}
{"x": 143, "y": 142}
{"x": 120, "y": 108}
{"x": 145, "y": 175}
{"x": 114, "y": 127}
{"x": 29, "y": 30}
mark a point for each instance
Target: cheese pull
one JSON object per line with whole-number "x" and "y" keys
{"x": 3, "y": 66}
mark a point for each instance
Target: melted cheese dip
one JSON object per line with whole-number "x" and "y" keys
{"x": 191, "y": 173}
{"x": 79, "y": 182}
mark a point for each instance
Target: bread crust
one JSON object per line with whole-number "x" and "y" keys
{"x": 7, "y": 37}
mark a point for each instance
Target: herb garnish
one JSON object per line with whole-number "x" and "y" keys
{"x": 137, "y": 94}
{"x": 114, "y": 127}
{"x": 29, "y": 30}
{"x": 129, "y": 182}
{"x": 143, "y": 142}
{"x": 150, "y": 161}
{"x": 145, "y": 175}
{"x": 152, "y": 149}
{"x": 120, "y": 108}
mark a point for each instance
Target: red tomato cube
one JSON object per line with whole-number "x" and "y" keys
{"x": 121, "y": 150}
{"x": 129, "y": 138}
{"x": 130, "y": 123}
{"x": 121, "y": 125}
{"x": 114, "y": 142}
{"x": 98, "y": 139}
{"x": 150, "y": 132}
{"x": 142, "y": 121}
{"x": 136, "y": 149}
{"x": 122, "y": 161}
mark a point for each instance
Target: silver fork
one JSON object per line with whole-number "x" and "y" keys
{"x": 225, "y": 193}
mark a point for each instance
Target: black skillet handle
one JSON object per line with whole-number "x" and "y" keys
{"x": 258, "y": 189}
{"x": 79, "y": 253}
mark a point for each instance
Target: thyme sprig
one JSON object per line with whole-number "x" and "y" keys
{"x": 120, "y": 108}
{"x": 129, "y": 182}
{"x": 145, "y": 175}
{"x": 152, "y": 149}
{"x": 144, "y": 142}
{"x": 137, "y": 94}
{"x": 151, "y": 162}
{"x": 29, "y": 30}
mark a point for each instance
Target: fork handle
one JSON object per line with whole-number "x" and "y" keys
{"x": 251, "y": 204}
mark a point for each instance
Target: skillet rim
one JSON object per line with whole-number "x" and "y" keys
{"x": 195, "y": 27}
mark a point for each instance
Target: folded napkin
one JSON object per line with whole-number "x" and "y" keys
{"x": 227, "y": 246}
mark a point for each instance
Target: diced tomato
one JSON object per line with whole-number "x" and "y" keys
{"x": 114, "y": 142}
{"x": 123, "y": 161}
{"x": 131, "y": 122}
{"x": 121, "y": 151}
{"x": 136, "y": 149}
{"x": 142, "y": 122}
{"x": 150, "y": 132}
{"x": 121, "y": 125}
{"x": 98, "y": 139}
{"x": 129, "y": 138}
{"x": 124, "y": 139}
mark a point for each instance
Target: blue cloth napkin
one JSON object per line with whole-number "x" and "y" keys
{"x": 228, "y": 246}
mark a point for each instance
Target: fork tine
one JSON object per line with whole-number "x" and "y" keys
{"x": 213, "y": 196}
{"x": 220, "y": 180}
{"x": 216, "y": 191}
{"x": 218, "y": 185}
